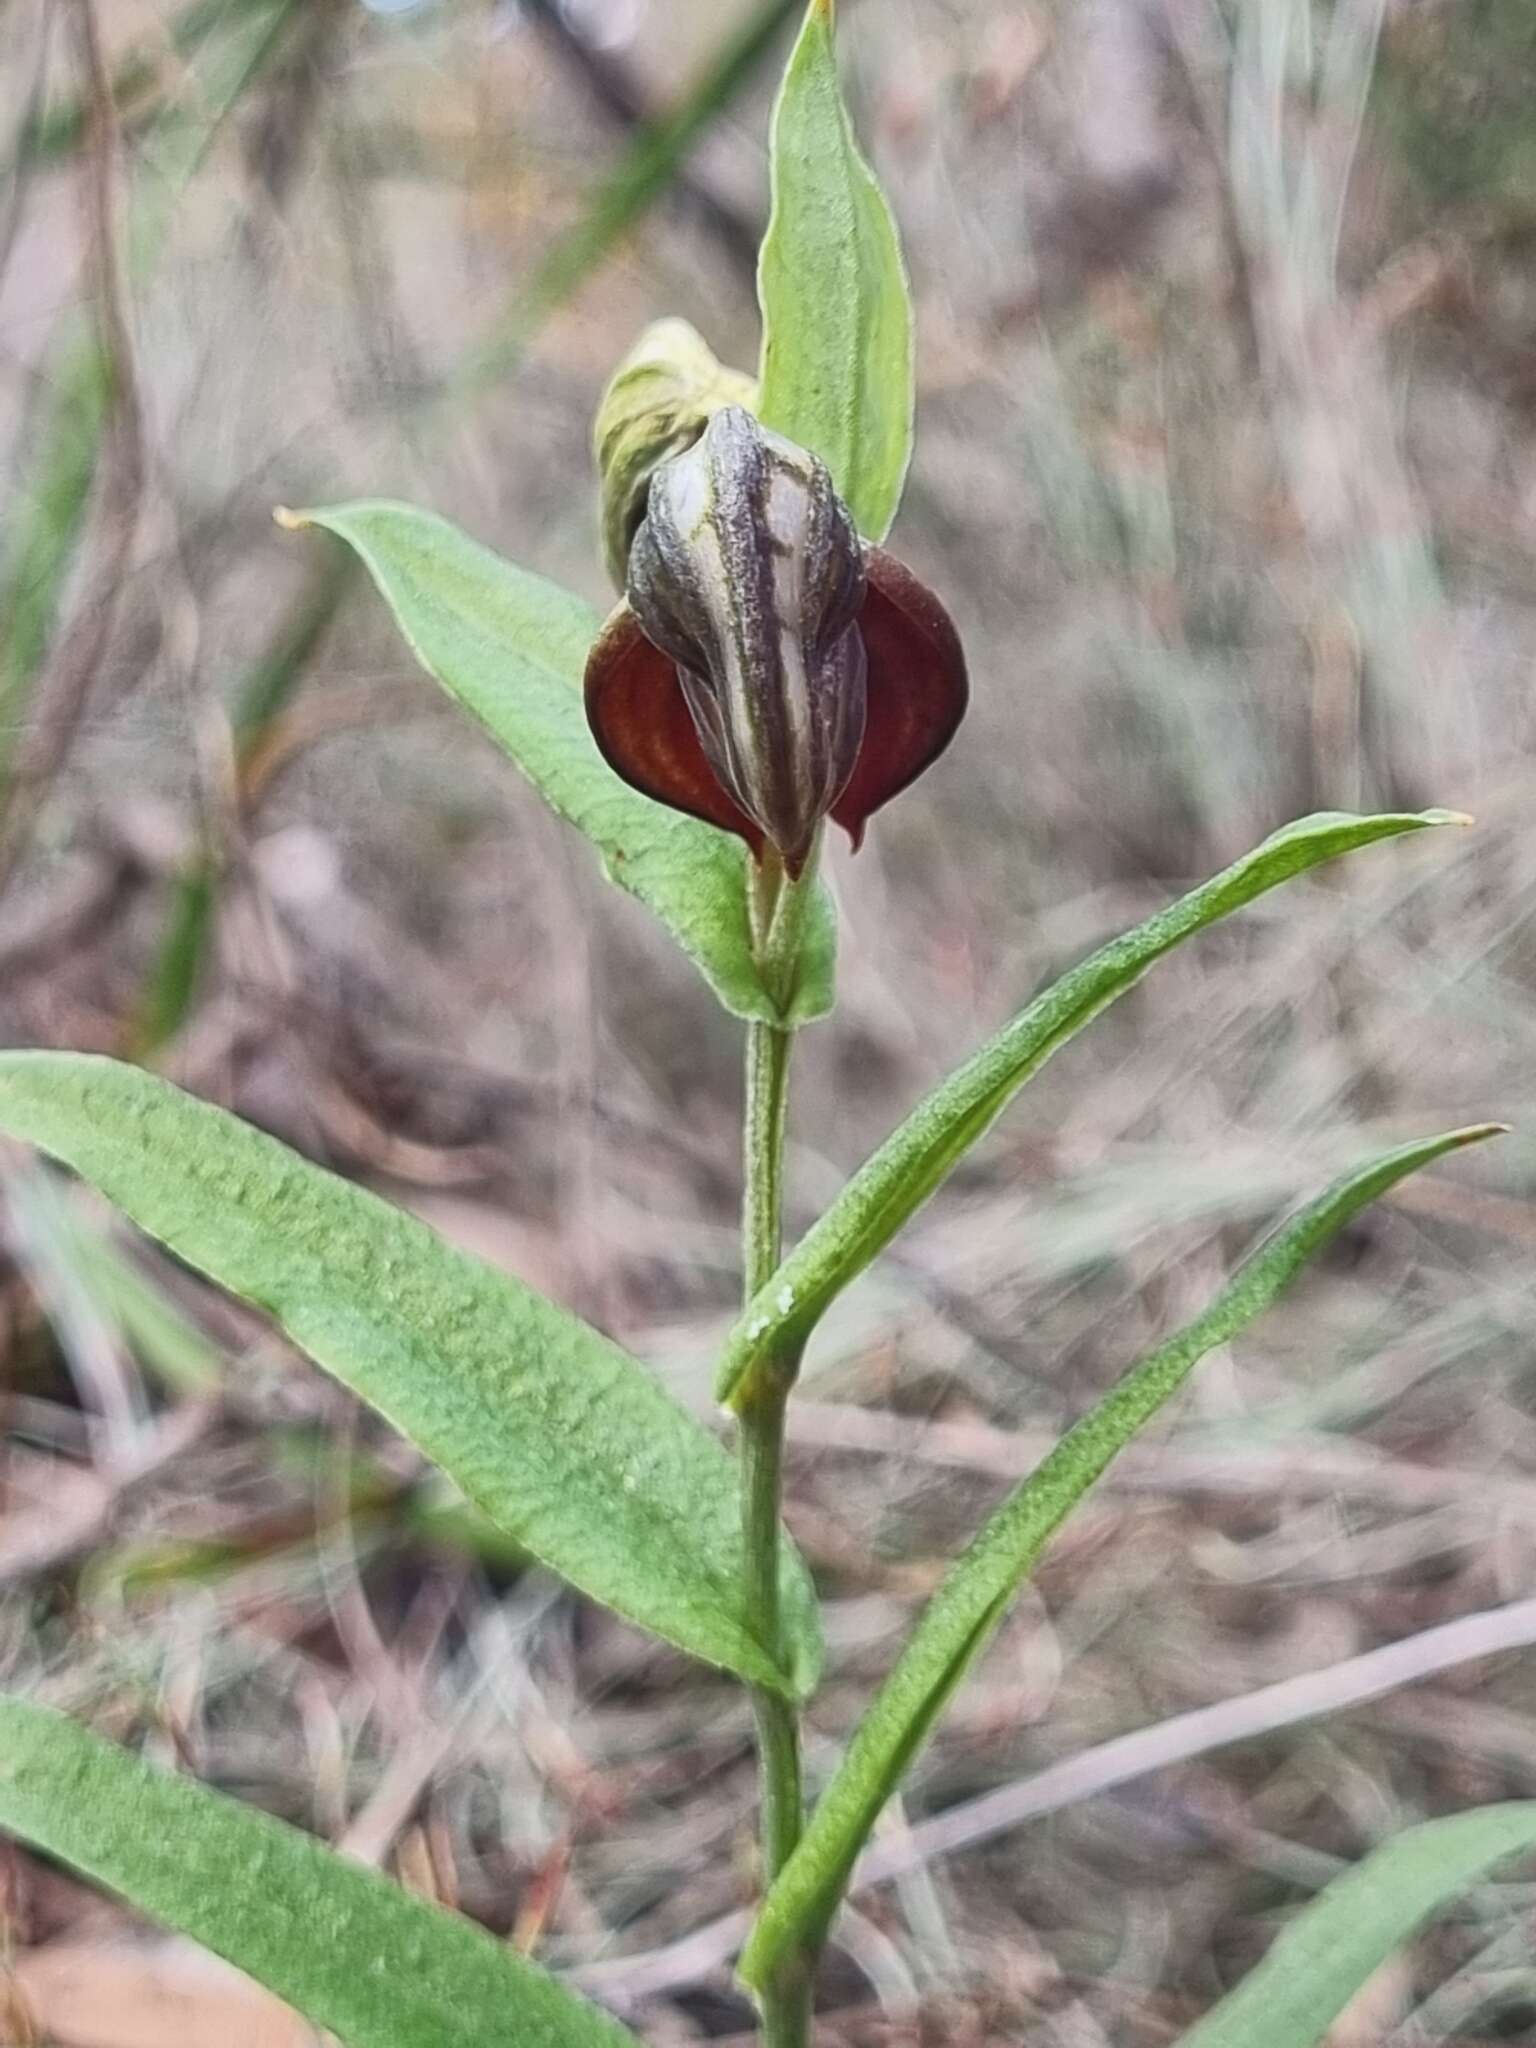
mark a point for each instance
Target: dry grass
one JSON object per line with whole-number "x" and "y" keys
{"x": 1227, "y": 470}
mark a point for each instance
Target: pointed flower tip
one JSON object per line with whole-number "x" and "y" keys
{"x": 289, "y": 521}
{"x": 769, "y": 669}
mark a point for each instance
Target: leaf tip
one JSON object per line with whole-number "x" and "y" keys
{"x": 290, "y": 521}
{"x": 1444, "y": 817}
{"x": 1455, "y": 1141}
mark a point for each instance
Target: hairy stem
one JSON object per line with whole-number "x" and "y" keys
{"x": 786, "y": 2005}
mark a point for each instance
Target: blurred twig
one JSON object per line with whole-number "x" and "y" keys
{"x": 295, "y": 100}
{"x": 648, "y": 167}
{"x": 79, "y": 1515}
{"x": 614, "y": 88}
{"x": 1500, "y": 1973}
{"x": 1349, "y": 1683}
{"x": 1317, "y": 1468}
{"x": 138, "y": 85}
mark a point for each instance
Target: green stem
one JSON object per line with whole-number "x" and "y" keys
{"x": 786, "y": 2005}
{"x": 762, "y": 1444}
{"x": 778, "y": 1734}
{"x": 768, "y": 1051}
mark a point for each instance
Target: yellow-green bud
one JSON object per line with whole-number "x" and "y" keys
{"x": 657, "y": 404}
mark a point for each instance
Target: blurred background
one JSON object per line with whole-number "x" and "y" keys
{"x": 1227, "y": 469}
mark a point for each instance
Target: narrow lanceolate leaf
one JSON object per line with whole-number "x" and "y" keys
{"x": 511, "y": 647}
{"x": 349, "y": 1950}
{"x": 837, "y": 316}
{"x": 895, "y": 1182}
{"x": 565, "y": 1441}
{"x": 967, "y": 1607}
{"x": 1331, "y": 1948}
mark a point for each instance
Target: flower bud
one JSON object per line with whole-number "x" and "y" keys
{"x": 748, "y": 572}
{"x": 659, "y": 401}
{"x": 768, "y": 668}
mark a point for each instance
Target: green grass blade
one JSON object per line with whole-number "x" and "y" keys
{"x": 511, "y": 648}
{"x": 270, "y": 684}
{"x": 263, "y": 695}
{"x": 837, "y": 316}
{"x": 962, "y": 1614}
{"x": 176, "y": 143}
{"x": 167, "y": 1343}
{"x": 45, "y": 522}
{"x": 347, "y": 1948}
{"x": 120, "y": 1295}
{"x": 557, "y": 1434}
{"x": 643, "y": 174}
{"x": 895, "y": 1182}
{"x": 48, "y": 505}
{"x": 138, "y": 80}
{"x": 176, "y": 972}
{"x": 1332, "y": 1946}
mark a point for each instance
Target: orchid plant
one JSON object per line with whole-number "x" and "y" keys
{"x": 769, "y": 666}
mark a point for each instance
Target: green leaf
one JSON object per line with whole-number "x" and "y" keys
{"x": 894, "y": 1183}
{"x": 348, "y": 1949}
{"x": 837, "y": 317}
{"x": 512, "y": 648}
{"x": 968, "y": 1605}
{"x": 1332, "y": 1946}
{"x": 559, "y": 1436}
